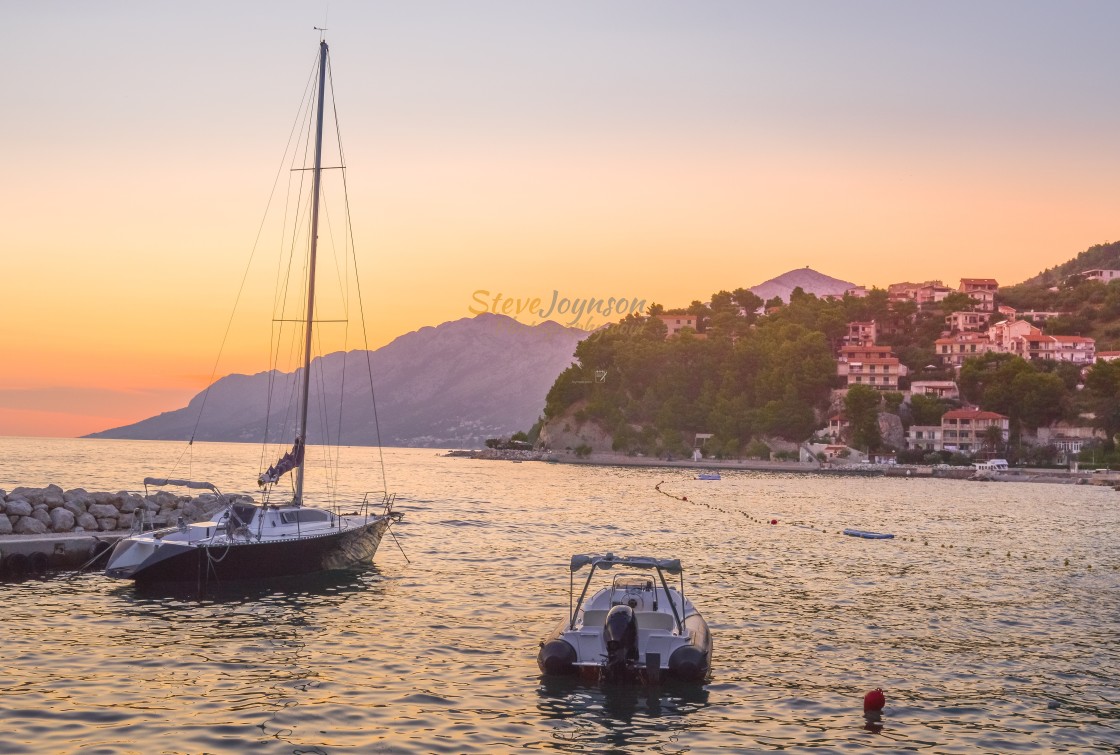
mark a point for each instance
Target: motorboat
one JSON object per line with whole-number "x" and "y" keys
{"x": 637, "y": 628}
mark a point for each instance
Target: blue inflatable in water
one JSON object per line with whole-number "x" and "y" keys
{"x": 868, "y": 535}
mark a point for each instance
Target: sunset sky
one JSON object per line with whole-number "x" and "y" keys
{"x": 658, "y": 150}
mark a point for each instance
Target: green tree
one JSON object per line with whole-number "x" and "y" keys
{"x": 927, "y": 410}
{"x": 993, "y": 438}
{"x": 1102, "y": 388}
{"x": 958, "y": 301}
{"x": 749, "y": 301}
{"x": 535, "y": 431}
{"x": 892, "y": 400}
{"x": 1038, "y": 399}
{"x": 1032, "y": 394}
{"x": 862, "y": 407}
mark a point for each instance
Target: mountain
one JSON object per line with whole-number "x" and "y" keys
{"x": 810, "y": 281}
{"x": 454, "y": 385}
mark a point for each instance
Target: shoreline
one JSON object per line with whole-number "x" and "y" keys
{"x": 605, "y": 459}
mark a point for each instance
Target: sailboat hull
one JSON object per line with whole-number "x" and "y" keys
{"x": 176, "y": 562}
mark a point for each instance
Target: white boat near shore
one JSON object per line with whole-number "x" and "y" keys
{"x": 638, "y": 628}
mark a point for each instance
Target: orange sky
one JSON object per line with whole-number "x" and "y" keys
{"x": 522, "y": 149}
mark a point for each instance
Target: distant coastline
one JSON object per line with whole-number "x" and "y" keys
{"x": 610, "y": 459}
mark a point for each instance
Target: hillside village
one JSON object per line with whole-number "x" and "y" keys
{"x": 985, "y": 327}
{"x": 930, "y": 366}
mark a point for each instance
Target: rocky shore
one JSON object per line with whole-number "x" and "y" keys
{"x": 38, "y": 511}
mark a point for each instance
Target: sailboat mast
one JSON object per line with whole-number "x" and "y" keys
{"x": 305, "y": 380}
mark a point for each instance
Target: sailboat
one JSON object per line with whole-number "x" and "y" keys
{"x": 251, "y": 540}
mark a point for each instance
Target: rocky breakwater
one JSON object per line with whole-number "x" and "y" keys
{"x": 39, "y": 511}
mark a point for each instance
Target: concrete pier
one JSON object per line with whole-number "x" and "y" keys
{"x": 29, "y": 555}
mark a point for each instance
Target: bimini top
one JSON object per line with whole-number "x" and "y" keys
{"x": 670, "y": 565}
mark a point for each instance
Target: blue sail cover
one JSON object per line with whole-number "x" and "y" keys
{"x": 287, "y": 463}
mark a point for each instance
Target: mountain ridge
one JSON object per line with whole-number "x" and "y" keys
{"x": 453, "y": 384}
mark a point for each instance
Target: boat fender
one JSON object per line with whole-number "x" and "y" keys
{"x": 688, "y": 663}
{"x": 99, "y": 549}
{"x": 557, "y": 658}
{"x": 37, "y": 563}
{"x": 16, "y": 565}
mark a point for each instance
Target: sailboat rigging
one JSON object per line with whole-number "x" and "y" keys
{"x": 251, "y": 540}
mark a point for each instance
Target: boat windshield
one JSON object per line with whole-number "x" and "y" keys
{"x": 627, "y": 587}
{"x": 635, "y": 582}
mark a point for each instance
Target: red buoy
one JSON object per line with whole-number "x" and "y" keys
{"x": 773, "y": 521}
{"x": 874, "y": 700}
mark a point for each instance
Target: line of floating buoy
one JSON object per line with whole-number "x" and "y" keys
{"x": 756, "y": 520}
{"x": 744, "y": 514}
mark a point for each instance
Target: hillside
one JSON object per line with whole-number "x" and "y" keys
{"x": 1102, "y": 256}
{"x": 448, "y": 386}
{"x": 746, "y": 378}
{"x": 1089, "y": 308}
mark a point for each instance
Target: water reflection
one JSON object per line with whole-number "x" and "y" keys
{"x": 260, "y": 642}
{"x": 619, "y": 717}
{"x": 312, "y": 588}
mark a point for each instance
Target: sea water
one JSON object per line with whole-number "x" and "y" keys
{"x": 991, "y": 621}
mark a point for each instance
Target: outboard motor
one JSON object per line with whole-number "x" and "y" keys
{"x": 621, "y": 634}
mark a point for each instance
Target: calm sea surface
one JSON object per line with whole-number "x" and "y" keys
{"x": 982, "y": 635}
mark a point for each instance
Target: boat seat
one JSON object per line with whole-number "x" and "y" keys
{"x": 594, "y": 619}
{"x": 655, "y": 620}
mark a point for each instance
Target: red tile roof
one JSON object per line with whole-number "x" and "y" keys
{"x": 971, "y": 414}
